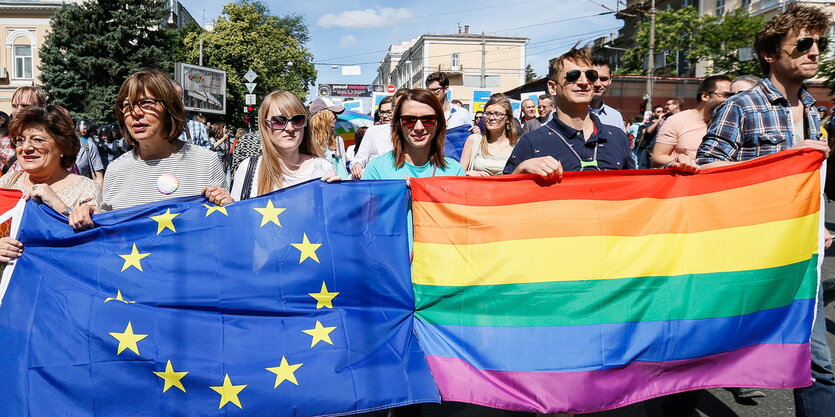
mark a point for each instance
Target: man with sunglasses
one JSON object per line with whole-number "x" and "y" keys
{"x": 574, "y": 139}
{"x": 778, "y": 114}
{"x": 682, "y": 133}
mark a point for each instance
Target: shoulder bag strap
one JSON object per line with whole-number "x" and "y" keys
{"x": 246, "y": 189}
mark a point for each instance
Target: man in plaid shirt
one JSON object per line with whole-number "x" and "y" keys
{"x": 778, "y": 114}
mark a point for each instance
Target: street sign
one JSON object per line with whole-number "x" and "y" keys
{"x": 250, "y": 99}
{"x": 250, "y": 75}
{"x": 246, "y": 109}
{"x": 391, "y": 88}
{"x": 250, "y": 87}
{"x": 349, "y": 90}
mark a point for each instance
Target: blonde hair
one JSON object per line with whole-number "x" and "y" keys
{"x": 323, "y": 135}
{"x": 510, "y": 132}
{"x": 271, "y": 173}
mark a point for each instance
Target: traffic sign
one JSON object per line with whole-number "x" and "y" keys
{"x": 250, "y": 75}
{"x": 391, "y": 88}
{"x": 250, "y": 99}
{"x": 250, "y": 87}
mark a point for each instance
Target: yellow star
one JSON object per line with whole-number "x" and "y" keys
{"x": 132, "y": 260}
{"x": 118, "y": 298}
{"x": 171, "y": 378}
{"x": 229, "y": 393}
{"x": 320, "y": 334}
{"x": 269, "y": 213}
{"x": 307, "y": 249}
{"x": 323, "y": 297}
{"x": 128, "y": 339}
{"x": 285, "y": 372}
{"x": 165, "y": 221}
{"x": 212, "y": 209}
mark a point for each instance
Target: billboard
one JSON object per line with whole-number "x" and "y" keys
{"x": 204, "y": 89}
{"x": 349, "y": 90}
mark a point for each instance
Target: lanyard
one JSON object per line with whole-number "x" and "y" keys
{"x": 583, "y": 164}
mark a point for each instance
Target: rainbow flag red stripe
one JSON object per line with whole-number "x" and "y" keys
{"x": 614, "y": 287}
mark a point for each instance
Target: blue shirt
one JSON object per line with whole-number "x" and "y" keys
{"x": 382, "y": 168}
{"x": 754, "y": 123}
{"x": 612, "y": 146}
{"x": 609, "y": 116}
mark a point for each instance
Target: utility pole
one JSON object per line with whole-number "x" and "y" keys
{"x": 651, "y": 57}
{"x": 483, "y": 61}
{"x": 200, "y": 56}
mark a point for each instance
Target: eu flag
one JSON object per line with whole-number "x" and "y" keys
{"x": 297, "y": 303}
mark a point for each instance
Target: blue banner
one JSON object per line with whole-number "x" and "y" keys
{"x": 297, "y": 303}
{"x": 455, "y": 140}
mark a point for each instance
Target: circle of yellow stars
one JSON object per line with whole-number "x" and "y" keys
{"x": 128, "y": 340}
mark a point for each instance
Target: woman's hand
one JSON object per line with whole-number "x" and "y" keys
{"x": 217, "y": 195}
{"x": 477, "y": 174}
{"x": 683, "y": 163}
{"x": 45, "y": 194}
{"x": 10, "y": 249}
{"x": 331, "y": 178}
{"x": 82, "y": 217}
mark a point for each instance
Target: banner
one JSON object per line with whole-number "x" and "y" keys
{"x": 614, "y": 287}
{"x": 296, "y": 303}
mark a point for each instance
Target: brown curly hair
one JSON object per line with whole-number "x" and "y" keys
{"x": 55, "y": 121}
{"x": 796, "y": 18}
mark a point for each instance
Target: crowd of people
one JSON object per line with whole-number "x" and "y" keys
{"x": 154, "y": 153}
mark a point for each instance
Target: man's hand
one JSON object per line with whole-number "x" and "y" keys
{"x": 547, "y": 167}
{"x": 818, "y": 145}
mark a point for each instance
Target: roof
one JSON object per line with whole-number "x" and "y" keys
{"x": 476, "y": 36}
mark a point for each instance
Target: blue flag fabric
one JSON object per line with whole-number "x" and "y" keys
{"x": 298, "y": 303}
{"x": 455, "y": 140}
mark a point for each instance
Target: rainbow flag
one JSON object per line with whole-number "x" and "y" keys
{"x": 611, "y": 288}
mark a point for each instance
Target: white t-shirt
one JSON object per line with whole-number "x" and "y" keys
{"x": 376, "y": 142}
{"x": 318, "y": 169}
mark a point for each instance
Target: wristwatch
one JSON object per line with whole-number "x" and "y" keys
{"x": 67, "y": 211}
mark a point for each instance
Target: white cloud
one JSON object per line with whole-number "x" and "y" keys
{"x": 385, "y": 16}
{"x": 347, "y": 41}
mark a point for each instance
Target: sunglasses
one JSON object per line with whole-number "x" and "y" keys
{"x": 410, "y": 121}
{"x": 805, "y": 44}
{"x": 280, "y": 122}
{"x": 574, "y": 75}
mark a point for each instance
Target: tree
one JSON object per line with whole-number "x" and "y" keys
{"x": 248, "y": 37}
{"x": 701, "y": 38}
{"x": 530, "y": 75}
{"x": 95, "y": 45}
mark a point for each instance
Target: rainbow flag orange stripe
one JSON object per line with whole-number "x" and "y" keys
{"x": 614, "y": 287}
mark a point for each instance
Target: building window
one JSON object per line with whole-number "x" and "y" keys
{"x": 456, "y": 62}
{"x": 720, "y": 7}
{"x": 474, "y": 80}
{"x": 22, "y": 61}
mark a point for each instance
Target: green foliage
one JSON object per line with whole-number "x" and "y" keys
{"x": 826, "y": 70}
{"x": 95, "y": 45}
{"x": 701, "y": 37}
{"x": 530, "y": 75}
{"x": 247, "y": 37}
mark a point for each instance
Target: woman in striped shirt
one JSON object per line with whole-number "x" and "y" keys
{"x": 151, "y": 116}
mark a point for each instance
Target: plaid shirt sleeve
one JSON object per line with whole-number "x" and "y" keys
{"x": 724, "y": 135}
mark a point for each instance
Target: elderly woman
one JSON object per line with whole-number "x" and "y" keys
{"x": 46, "y": 146}
{"x": 288, "y": 154}
{"x": 151, "y": 117}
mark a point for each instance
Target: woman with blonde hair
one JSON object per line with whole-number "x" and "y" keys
{"x": 486, "y": 154}
{"x": 323, "y": 115}
{"x": 289, "y": 154}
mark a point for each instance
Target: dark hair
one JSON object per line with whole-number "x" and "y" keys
{"x": 436, "y": 149}
{"x": 159, "y": 86}
{"x": 547, "y": 96}
{"x": 399, "y": 94}
{"x": 575, "y": 54}
{"x": 678, "y": 100}
{"x": 387, "y": 100}
{"x": 709, "y": 84}
{"x": 358, "y": 137}
{"x": 794, "y": 19}
{"x": 377, "y": 117}
{"x": 599, "y": 61}
{"x": 217, "y": 130}
{"x": 440, "y": 77}
{"x": 55, "y": 121}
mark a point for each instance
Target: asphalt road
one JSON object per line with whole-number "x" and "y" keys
{"x": 716, "y": 403}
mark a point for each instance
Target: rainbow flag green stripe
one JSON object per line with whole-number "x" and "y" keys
{"x": 686, "y": 297}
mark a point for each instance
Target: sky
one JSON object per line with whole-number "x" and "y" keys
{"x": 351, "y": 32}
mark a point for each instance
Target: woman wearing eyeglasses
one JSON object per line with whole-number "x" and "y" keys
{"x": 151, "y": 116}
{"x": 44, "y": 141}
{"x": 288, "y": 154}
{"x": 486, "y": 154}
{"x": 418, "y": 133}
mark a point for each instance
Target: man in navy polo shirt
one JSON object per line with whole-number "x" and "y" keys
{"x": 574, "y": 140}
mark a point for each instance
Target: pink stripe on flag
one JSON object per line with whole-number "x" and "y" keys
{"x": 759, "y": 366}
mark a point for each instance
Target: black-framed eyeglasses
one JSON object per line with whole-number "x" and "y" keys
{"x": 437, "y": 90}
{"x": 146, "y": 104}
{"x": 36, "y": 142}
{"x": 726, "y": 94}
{"x": 385, "y": 112}
{"x": 279, "y": 122}
{"x": 410, "y": 121}
{"x": 805, "y": 44}
{"x": 574, "y": 75}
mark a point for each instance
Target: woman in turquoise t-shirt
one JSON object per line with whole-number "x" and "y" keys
{"x": 418, "y": 134}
